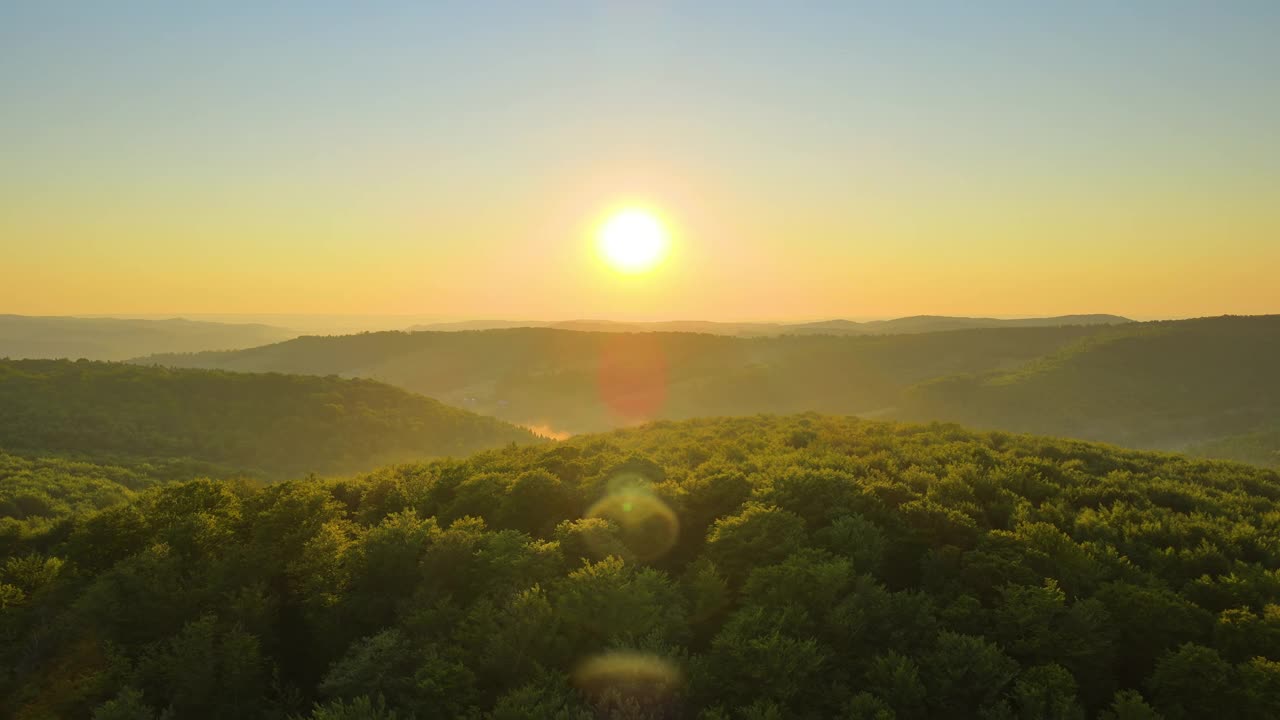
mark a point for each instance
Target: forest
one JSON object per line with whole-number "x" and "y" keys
{"x": 539, "y": 375}
{"x": 265, "y": 425}
{"x": 639, "y": 360}
{"x": 1206, "y": 385}
{"x": 1168, "y": 385}
{"x": 761, "y": 568}
{"x": 38, "y": 492}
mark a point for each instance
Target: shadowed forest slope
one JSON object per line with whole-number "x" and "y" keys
{"x": 264, "y": 424}
{"x": 1207, "y": 385}
{"x": 783, "y": 567}
{"x": 586, "y": 381}
{"x": 1165, "y": 384}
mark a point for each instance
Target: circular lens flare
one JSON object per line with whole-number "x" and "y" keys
{"x": 621, "y": 679}
{"x": 646, "y": 526}
{"x": 633, "y": 240}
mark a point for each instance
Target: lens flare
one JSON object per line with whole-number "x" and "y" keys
{"x": 632, "y": 377}
{"x": 647, "y": 527}
{"x": 628, "y": 679}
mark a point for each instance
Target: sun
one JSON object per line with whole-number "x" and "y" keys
{"x": 633, "y": 240}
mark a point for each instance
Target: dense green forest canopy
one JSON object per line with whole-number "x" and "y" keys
{"x": 268, "y": 425}
{"x": 25, "y": 336}
{"x": 38, "y": 492}
{"x": 1208, "y": 384}
{"x": 769, "y": 567}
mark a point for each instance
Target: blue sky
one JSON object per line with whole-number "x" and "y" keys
{"x": 785, "y": 138}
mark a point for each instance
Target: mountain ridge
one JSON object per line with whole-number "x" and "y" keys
{"x": 909, "y": 324}
{"x": 558, "y": 383}
{"x": 102, "y": 338}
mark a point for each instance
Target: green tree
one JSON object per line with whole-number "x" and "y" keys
{"x": 1046, "y": 692}
{"x": 1129, "y": 705}
{"x": 410, "y": 673}
{"x": 1192, "y": 682}
{"x": 360, "y": 708}
{"x": 759, "y": 534}
{"x": 127, "y": 705}
{"x": 964, "y": 674}
{"x": 896, "y": 679}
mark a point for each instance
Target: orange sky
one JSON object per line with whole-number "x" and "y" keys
{"x": 451, "y": 162}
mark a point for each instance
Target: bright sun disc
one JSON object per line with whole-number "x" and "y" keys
{"x": 633, "y": 241}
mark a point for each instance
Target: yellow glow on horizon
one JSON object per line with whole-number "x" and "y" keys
{"x": 633, "y": 240}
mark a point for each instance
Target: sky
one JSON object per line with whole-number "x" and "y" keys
{"x": 809, "y": 159}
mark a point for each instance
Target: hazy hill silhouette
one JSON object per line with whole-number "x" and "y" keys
{"x": 916, "y": 324}
{"x": 23, "y": 336}
{"x": 938, "y": 323}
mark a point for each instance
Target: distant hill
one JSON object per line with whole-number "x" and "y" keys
{"x": 916, "y": 324}
{"x": 1167, "y": 384}
{"x": 1259, "y": 447}
{"x": 937, "y": 323}
{"x": 268, "y": 425}
{"x": 584, "y": 381}
{"x": 23, "y": 336}
{"x": 744, "y": 329}
{"x": 459, "y": 325}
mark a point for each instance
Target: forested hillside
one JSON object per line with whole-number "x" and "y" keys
{"x": 23, "y": 336}
{"x": 1164, "y": 384}
{"x": 586, "y": 381}
{"x": 1207, "y": 385}
{"x": 793, "y": 567}
{"x": 262, "y": 424}
{"x": 36, "y": 493}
